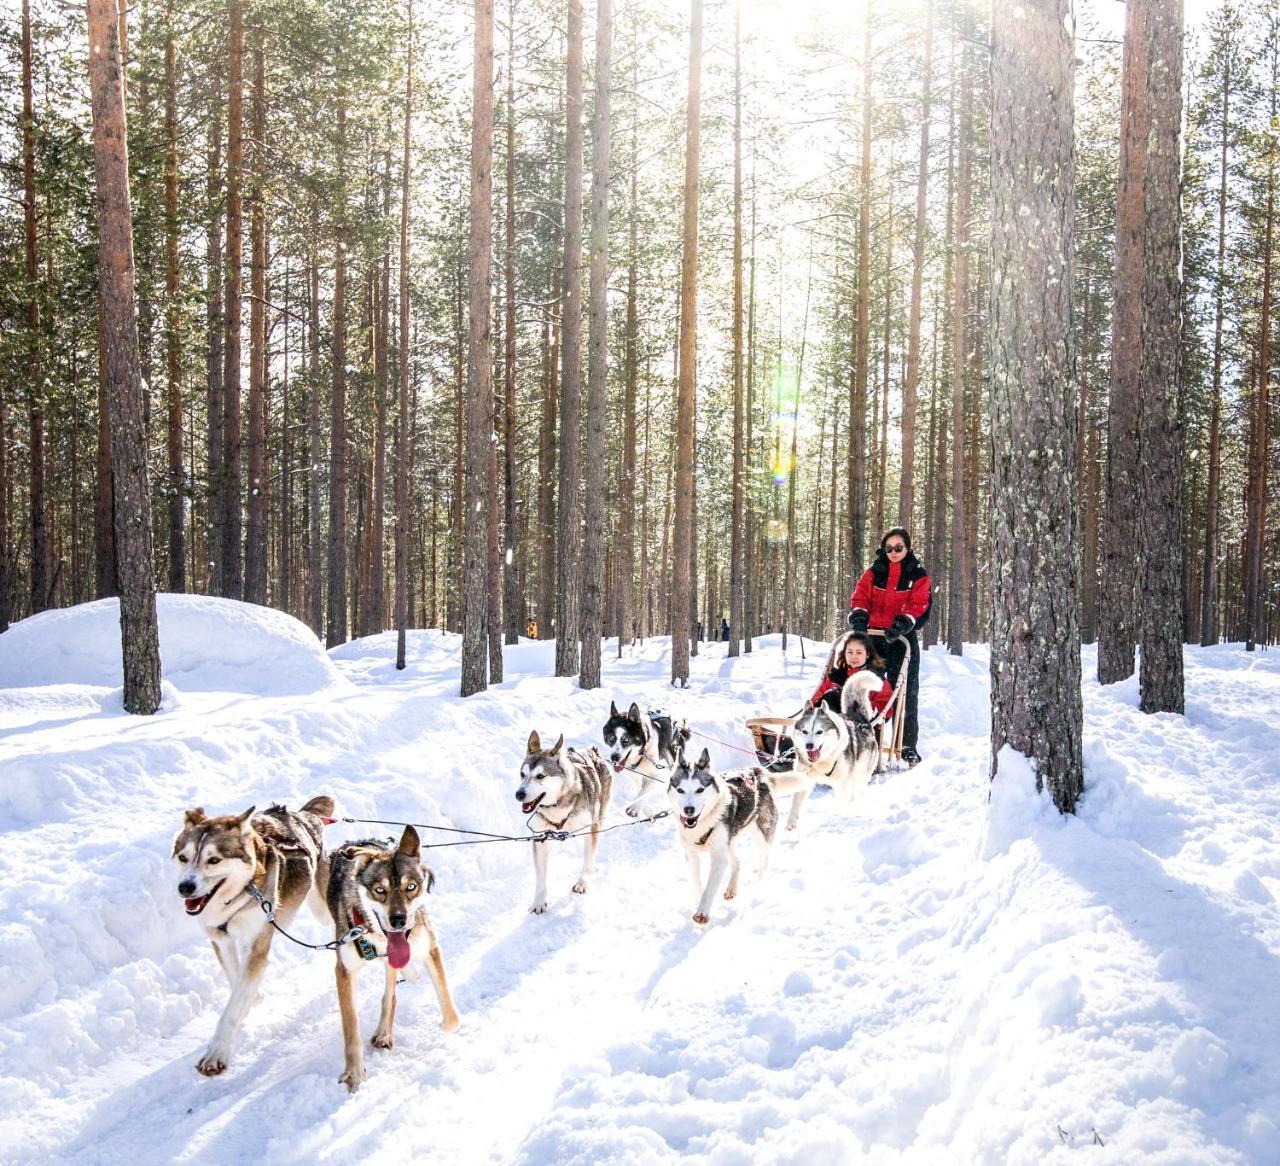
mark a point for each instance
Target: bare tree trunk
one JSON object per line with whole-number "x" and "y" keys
{"x": 682, "y": 535}
{"x": 597, "y": 359}
{"x": 627, "y": 478}
{"x": 232, "y": 561}
{"x": 906, "y": 482}
{"x": 511, "y": 575}
{"x": 735, "y": 505}
{"x": 315, "y": 462}
{"x": 214, "y": 360}
{"x": 1160, "y": 681}
{"x": 479, "y": 403}
{"x": 376, "y": 615}
{"x": 1118, "y": 601}
{"x": 139, "y": 630}
{"x": 862, "y": 330}
{"x": 402, "y": 408}
{"x": 749, "y": 619}
{"x": 255, "y": 555}
{"x": 1036, "y": 704}
{"x": 568, "y": 536}
{"x": 547, "y": 470}
{"x": 956, "y": 590}
{"x": 173, "y": 314}
{"x": 336, "y": 607}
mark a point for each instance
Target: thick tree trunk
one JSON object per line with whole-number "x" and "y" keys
{"x": 682, "y": 540}
{"x": 232, "y": 559}
{"x": 336, "y": 607}
{"x": 139, "y": 630}
{"x": 255, "y": 555}
{"x": 597, "y": 360}
{"x": 479, "y": 402}
{"x": 173, "y": 315}
{"x": 568, "y": 535}
{"x": 1118, "y": 598}
{"x": 1035, "y": 647}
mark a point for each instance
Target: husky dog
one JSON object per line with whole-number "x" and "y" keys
{"x": 644, "y": 746}
{"x": 835, "y": 750}
{"x": 381, "y": 891}
{"x": 713, "y": 811}
{"x": 562, "y": 789}
{"x": 281, "y": 854}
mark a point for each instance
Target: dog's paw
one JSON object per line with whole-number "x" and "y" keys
{"x": 449, "y": 1021}
{"x": 538, "y": 907}
{"x": 731, "y": 893}
{"x": 383, "y": 1040}
{"x": 633, "y": 811}
{"x": 791, "y": 825}
{"x": 701, "y": 918}
{"x": 212, "y": 1064}
{"x": 353, "y": 1078}
{"x": 580, "y": 887}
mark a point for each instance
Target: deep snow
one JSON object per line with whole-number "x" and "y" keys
{"x": 931, "y": 975}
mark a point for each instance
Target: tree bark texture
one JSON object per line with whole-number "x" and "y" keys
{"x": 735, "y": 506}
{"x": 173, "y": 316}
{"x": 255, "y": 555}
{"x": 336, "y": 569}
{"x": 232, "y": 521}
{"x": 402, "y": 409}
{"x": 1035, "y": 648}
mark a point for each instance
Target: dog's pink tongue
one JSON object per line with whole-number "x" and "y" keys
{"x": 397, "y": 949}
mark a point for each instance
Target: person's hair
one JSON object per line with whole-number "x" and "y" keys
{"x": 899, "y": 531}
{"x": 874, "y": 659}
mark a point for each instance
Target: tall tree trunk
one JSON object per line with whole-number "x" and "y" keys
{"x": 402, "y": 407}
{"x": 568, "y": 535}
{"x": 862, "y": 329}
{"x": 35, "y": 412}
{"x": 1160, "y": 681}
{"x": 315, "y": 461}
{"x": 255, "y": 556}
{"x": 336, "y": 608}
{"x": 1118, "y": 600}
{"x": 682, "y": 540}
{"x": 511, "y": 574}
{"x": 173, "y": 314}
{"x": 375, "y": 618}
{"x": 627, "y": 477}
{"x": 139, "y": 630}
{"x": 749, "y": 592}
{"x": 232, "y": 559}
{"x": 1035, "y": 646}
{"x": 214, "y": 359}
{"x": 547, "y": 469}
{"x": 906, "y": 481}
{"x": 956, "y": 590}
{"x": 597, "y": 359}
{"x": 735, "y": 505}
{"x": 479, "y": 403}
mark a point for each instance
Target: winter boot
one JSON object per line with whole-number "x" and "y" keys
{"x": 910, "y": 756}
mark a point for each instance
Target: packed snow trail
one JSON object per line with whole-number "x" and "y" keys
{"x": 919, "y": 977}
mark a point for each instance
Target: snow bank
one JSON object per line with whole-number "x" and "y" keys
{"x": 206, "y": 645}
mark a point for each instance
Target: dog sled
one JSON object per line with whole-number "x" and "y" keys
{"x": 776, "y": 749}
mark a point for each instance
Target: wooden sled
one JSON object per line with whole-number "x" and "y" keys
{"x": 775, "y": 749}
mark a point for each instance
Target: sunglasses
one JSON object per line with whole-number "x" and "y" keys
{"x": 895, "y": 548}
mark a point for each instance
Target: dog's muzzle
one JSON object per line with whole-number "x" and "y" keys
{"x": 528, "y": 807}
{"x": 813, "y": 752}
{"x": 689, "y": 821}
{"x": 195, "y": 905}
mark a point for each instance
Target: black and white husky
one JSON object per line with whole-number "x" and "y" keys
{"x": 712, "y": 811}
{"x": 644, "y": 747}
{"x": 840, "y": 751}
{"x": 562, "y": 789}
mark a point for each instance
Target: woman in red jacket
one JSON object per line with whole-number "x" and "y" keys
{"x": 855, "y": 652}
{"x": 892, "y": 599}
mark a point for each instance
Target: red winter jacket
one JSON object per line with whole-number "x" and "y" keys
{"x": 887, "y": 589}
{"x": 834, "y": 680}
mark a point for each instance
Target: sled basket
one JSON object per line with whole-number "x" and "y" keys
{"x": 775, "y": 749}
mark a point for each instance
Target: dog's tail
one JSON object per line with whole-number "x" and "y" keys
{"x": 855, "y": 696}
{"x": 322, "y": 807}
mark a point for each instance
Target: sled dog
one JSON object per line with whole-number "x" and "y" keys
{"x": 835, "y": 750}
{"x": 382, "y": 891}
{"x": 643, "y": 746}
{"x": 279, "y": 852}
{"x": 712, "y": 811}
{"x": 562, "y": 789}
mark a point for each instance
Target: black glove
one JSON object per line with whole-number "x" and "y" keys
{"x": 858, "y": 621}
{"x": 900, "y": 626}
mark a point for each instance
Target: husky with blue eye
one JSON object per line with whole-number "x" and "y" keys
{"x": 562, "y": 789}
{"x": 712, "y": 812}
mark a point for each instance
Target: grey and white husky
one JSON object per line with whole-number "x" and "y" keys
{"x": 645, "y": 747}
{"x": 281, "y": 854}
{"x": 562, "y": 789}
{"x": 712, "y": 811}
{"x": 384, "y": 892}
{"x": 833, "y": 749}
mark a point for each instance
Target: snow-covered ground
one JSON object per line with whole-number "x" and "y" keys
{"x": 932, "y": 975}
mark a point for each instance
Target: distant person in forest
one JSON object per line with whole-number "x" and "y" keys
{"x": 724, "y": 629}
{"x": 531, "y": 628}
{"x": 892, "y": 600}
{"x": 853, "y": 652}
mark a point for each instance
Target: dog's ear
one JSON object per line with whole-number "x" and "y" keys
{"x": 633, "y": 713}
{"x": 193, "y": 817}
{"x": 613, "y": 709}
{"x": 428, "y": 879}
{"x": 242, "y": 820}
{"x": 704, "y": 762}
{"x": 535, "y": 743}
{"x": 409, "y": 845}
{"x": 558, "y": 745}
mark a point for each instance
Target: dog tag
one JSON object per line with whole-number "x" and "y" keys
{"x": 366, "y": 949}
